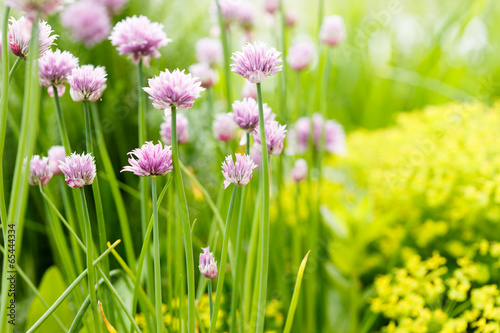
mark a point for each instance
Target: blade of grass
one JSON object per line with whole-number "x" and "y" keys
{"x": 295, "y": 297}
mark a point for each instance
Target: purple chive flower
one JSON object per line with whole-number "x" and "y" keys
{"x": 332, "y": 30}
{"x": 300, "y": 55}
{"x": 173, "y": 89}
{"x": 275, "y": 135}
{"x": 208, "y": 265}
{"x": 182, "y": 130}
{"x": 113, "y": 6}
{"x": 335, "y": 138}
{"x": 54, "y": 70}
{"x": 299, "y": 171}
{"x": 20, "y": 35}
{"x": 246, "y": 15}
{"x": 88, "y": 22}
{"x": 208, "y": 77}
{"x": 40, "y": 172}
{"x": 139, "y": 37}
{"x": 302, "y": 132}
{"x": 246, "y": 114}
{"x": 87, "y": 83}
{"x": 290, "y": 19}
{"x": 238, "y": 173}
{"x": 271, "y": 6}
{"x": 209, "y": 51}
{"x": 249, "y": 90}
{"x": 255, "y": 63}
{"x": 224, "y": 127}
{"x": 78, "y": 169}
{"x": 56, "y": 154}
{"x": 152, "y": 160}
{"x": 33, "y": 7}
{"x": 334, "y": 135}
{"x": 229, "y": 10}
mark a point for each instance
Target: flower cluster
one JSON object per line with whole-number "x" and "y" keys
{"x": 88, "y": 21}
{"x": 208, "y": 265}
{"x": 150, "y": 160}
{"x": 328, "y": 135}
{"x": 255, "y": 62}
{"x": 20, "y": 35}
{"x": 55, "y": 67}
{"x": 87, "y": 83}
{"x": 239, "y": 172}
{"x": 78, "y": 169}
{"x": 173, "y": 89}
{"x": 139, "y": 37}
{"x": 40, "y": 171}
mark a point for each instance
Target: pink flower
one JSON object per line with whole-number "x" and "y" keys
{"x": 332, "y": 30}
{"x": 182, "y": 130}
{"x": 20, "y": 35}
{"x": 246, "y": 15}
{"x": 87, "y": 83}
{"x": 249, "y": 90}
{"x": 271, "y": 6}
{"x": 56, "y": 154}
{"x": 300, "y": 55}
{"x": 238, "y": 173}
{"x": 78, "y": 169}
{"x": 40, "y": 172}
{"x": 335, "y": 138}
{"x": 33, "y": 7}
{"x": 224, "y": 127}
{"x": 89, "y": 22}
{"x": 302, "y": 131}
{"x": 290, "y": 19}
{"x": 229, "y": 10}
{"x": 275, "y": 135}
{"x": 209, "y": 50}
{"x": 139, "y": 37}
{"x": 54, "y": 69}
{"x": 299, "y": 171}
{"x": 334, "y": 135}
{"x": 208, "y": 266}
{"x": 152, "y": 160}
{"x": 255, "y": 63}
{"x": 208, "y": 77}
{"x": 173, "y": 89}
{"x": 113, "y": 6}
{"x": 246, "y": 114}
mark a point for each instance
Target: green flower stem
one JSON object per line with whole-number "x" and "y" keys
{"x": 90, "y": 266}
{"x": 326, "y": 80}
{"x": 252, "y": 256}
{"x": 60, "y": 122}
{"x": 28, "y": 136}
{"x": 101, "y": 225}
{"x": 223, "y": 261}
{"x": 210, "y": 300}
{"x": 3, "y": 128}
{"x": 114, "y": 186}
{"x": 14, "y": 67}
{"x": 224, "y": 35}
{"x": 265, "y": 218}
{"x": 237, "y": 283}
{"x": 321, "y": 8}
{"x": 142, "y": 255}
{"x": 156, "y": 253}
{"x": 68, "y": 290}
{"x": 186, "y": 230}
{"x": 143, "y": 184}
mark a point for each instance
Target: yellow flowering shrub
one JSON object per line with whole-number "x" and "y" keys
{"x": 424, "y": 296}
